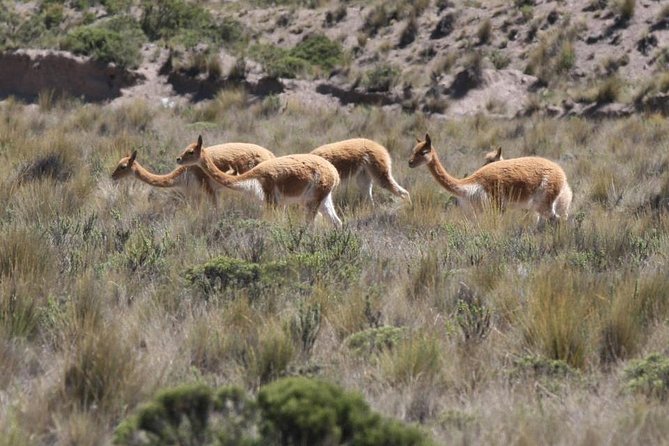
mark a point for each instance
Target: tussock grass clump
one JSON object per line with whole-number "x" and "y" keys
{"x": 484, "y": 32}
{"x": 625, "y": 9}
{"x": 558, "y": 315}
{"x": 415, "y": 358}
{"x": 553, "y": 56}
{"x": 102, "y": 372}
{"x": 409, "y": 32}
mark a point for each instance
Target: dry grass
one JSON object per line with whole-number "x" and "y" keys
{"x": 97, "y": 313}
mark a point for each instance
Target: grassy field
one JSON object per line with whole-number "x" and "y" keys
{"x": 485, "y": 331}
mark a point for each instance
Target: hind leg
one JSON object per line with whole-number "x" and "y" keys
{"x": 365, "y": 184}
{"x": 563, "y": 202}
{"x": 384, "y": 179}
{"x": 328, "y": 210}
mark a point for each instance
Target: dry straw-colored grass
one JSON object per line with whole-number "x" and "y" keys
{"x": 97, "y": 311}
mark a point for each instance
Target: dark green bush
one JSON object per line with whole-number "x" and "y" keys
{"x": 192, "y": 414}
{"x": 170, "y": 19}
{"x": 313, "y": 52}
{"x": 320, "y": 51}
{"x": 310, "y": 259}
{"x": 381, "y": 78}
{"x": 223, "y": 273}
{"x": 52, "y": 15}
{"x": 374, "y": 339}
{"x": 289, "y": 411}
{"x": 649, "y": 376}
{"x": 300, "y": 410}
{"x": 103, "y": 44}
{"x": 538, "y": 366}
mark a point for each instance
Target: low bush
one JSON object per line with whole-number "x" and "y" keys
{"x": 179, "y": 22}
{"x": 538, "y": 366}
{"x": 103, "y": 44}
{"x": 289, "y": 411}
{"x": 374, "y": 339}
{"x": 312, "y": 54}
{"x": 649, "y": 376}
{"x": 381, "y": 78}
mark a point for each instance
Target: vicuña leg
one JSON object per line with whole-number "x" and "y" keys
{"x": 364, "y": 181}
{"x": 328, "y": 210}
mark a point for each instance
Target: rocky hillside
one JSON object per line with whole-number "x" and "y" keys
{"x": 499, "y": 57}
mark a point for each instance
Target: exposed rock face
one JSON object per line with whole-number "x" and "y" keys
{"x": 26, "y": 73}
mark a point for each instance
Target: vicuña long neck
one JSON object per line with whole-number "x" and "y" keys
{"x": 232, "y": 181}
{"x": 167, "y": 180}
{"x": 450, "y": 183}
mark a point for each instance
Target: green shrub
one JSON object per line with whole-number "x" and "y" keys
{"x": 305, "y": 411}
{"x": 289, "y": 411}
{"x": 192, "y": 414}
{"x": 381, "y": 78}
{"x": 649, "y": 376}
{"x": 319, "y": 51}
{"x": 223, "y": 273}
{"x": 287, "y": 66}
{"x": 374, "y": 339}
{"x": 103, "y": 44}
{"x": 538, "y": 366}
{"x": 311, "y": 259}
{"x": 52, "y": 15}
{"x": 177, "y": 19}
{"x": 314, "y": 52}
{"x": 232, "y": 31}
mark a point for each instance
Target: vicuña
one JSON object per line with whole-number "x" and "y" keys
{"x": 304, "y": 179}
{"x": 364, "y": 159}
{"x": 531, "y": 183}
{"x": 231, "y": 159}
{"x": 495, "y": 155}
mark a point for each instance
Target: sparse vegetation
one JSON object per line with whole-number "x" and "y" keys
{"x": 130, "y": 312}
{"x": 131, "y": 289}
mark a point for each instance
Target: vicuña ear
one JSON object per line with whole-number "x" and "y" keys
{"x": 133, "y": 156}
{"x": 428, "y": 141}
{"x": 418, "y": 139}
{"x": 199, "y": 142}
{"x": 499, "y": 151}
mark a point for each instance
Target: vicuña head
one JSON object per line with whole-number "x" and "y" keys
{"x": 495, "y": 155}
{"x": 124, "y": 166}
{"x": 364, "y": 159}
{"x": 129, "y": 166}
{"x": 530, "y": 182}
{"x": 304, "y": 179}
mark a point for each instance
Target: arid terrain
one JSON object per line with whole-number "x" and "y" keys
{"x": 133, "y": 314}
